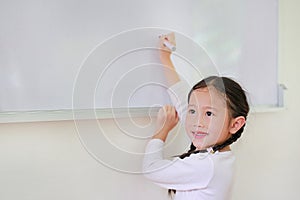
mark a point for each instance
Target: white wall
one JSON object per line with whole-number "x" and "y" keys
{"x": 268, "y": 158}
{"x": 47, "y": 161}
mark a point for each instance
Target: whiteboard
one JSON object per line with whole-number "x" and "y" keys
{"x": 63, "y": 54}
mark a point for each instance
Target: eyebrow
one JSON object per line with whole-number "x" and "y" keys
{"x": 206, "y": 107}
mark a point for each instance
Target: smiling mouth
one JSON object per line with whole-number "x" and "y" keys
{"x": 199, "y": 134}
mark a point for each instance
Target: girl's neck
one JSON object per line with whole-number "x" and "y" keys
{"x": 227, "y": 148}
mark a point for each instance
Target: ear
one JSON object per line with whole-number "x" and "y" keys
{"x": 236, "y": 124}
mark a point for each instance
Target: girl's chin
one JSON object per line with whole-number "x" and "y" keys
{"x": 200, "y": 145}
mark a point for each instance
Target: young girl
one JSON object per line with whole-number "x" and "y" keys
{"x": 216, "y": 115}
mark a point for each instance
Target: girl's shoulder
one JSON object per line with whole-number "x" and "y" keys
{"x": 217, "y": 157}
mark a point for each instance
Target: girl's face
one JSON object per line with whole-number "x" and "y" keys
{"x": 207, "y": 121}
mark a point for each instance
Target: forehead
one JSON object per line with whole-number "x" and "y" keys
{"x": 207, "y": 96}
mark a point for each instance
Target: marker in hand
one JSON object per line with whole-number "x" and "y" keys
{"x": 168, "y": 44}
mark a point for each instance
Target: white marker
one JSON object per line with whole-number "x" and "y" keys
{"x": 169, "y": 45}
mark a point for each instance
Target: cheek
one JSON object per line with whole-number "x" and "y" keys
{"x": 187, "y": 121}
{"x": 190, "y": 120}
{"x": 217, "y": 127}
{"x": 187, "y": 125}
{"x": 220, "y": 127}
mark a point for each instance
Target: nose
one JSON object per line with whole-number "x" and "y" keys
{"x": 199, "y": 122}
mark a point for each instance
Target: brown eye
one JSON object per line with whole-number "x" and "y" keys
{"x": 209, "y": 114}
{"x": 192, "y": 111}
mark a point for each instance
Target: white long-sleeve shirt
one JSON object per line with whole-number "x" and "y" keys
{"x": 201, "y": 176}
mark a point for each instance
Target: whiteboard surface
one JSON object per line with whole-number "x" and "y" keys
{"x": 57, "y": 55}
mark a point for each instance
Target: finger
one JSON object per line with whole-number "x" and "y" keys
{"x": 169, "y": 108}
{"x": 165, "y": 108}
{"x": 171, "y": 38}
{"x": 163, "y": 38}
{"x": 172, "y": 112}
{"x": 177, "y": 116}
{"x": 161, "y": 43}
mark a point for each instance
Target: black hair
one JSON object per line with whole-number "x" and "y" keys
{"x": 236, "y": 102}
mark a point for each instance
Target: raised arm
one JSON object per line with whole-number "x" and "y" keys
{"x": 177, "y": 89}
{"x": 165, "y": 56}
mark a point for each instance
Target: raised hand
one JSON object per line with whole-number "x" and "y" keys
{"x": 165, "y": 51}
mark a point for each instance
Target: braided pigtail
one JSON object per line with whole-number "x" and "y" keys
{"x": 229, "y": 141}
{"x": 190, "y": 151}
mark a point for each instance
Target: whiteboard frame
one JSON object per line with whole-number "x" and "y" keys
{"x": 111, "y": 113}
{"x": 103, "y": 113}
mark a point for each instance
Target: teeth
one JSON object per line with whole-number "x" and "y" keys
{"x": 199, "y": 133}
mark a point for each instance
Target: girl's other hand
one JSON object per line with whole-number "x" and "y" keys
{"x": 167, "y": 119}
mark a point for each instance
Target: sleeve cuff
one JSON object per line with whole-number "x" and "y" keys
{"x": 154, "y": 145}
{"x": 178, "y": 94}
